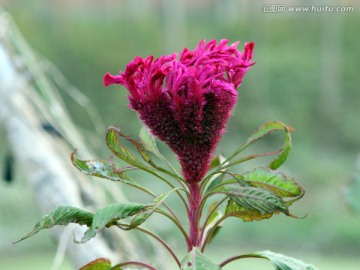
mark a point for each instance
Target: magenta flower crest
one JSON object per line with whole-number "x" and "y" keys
{"x": 187, "y": 102}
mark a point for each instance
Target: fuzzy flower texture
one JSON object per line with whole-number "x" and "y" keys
{"x": 187, "y": 102}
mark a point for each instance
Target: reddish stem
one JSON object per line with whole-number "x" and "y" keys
{"x": 194, "y": 216}
{"x": 120, "y": 265}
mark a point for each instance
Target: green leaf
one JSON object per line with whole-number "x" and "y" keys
{"x": 266, "y": 184}
{"x": 62, "y": 215}
{"x": 123, "y": 153}
{"x": 98, "y": 264}
{"x": 260, "y": 132}
{"x": 285, "y": 150}
{"x": 253, "y": 198}
{"x": 105, "y": 169}
{"x": 239, "y": 179}
{"x": 274, "y": 181}
{"x": 282, "y": 262}
{"x": 266, "y": 129}
{"x": 149, "y": 141}
{"x": 215, "y": 217}
{"x": 150, "y": 209}
{"x": 220, "y": 181}
{"x": 195, "y": 260}
{"x": 217, "y": 161}
{"x": 235, "y": 210}
{"x": 109, "y": 215}
{"x": 214, "y": 179}
{"x": 99, "y": 168}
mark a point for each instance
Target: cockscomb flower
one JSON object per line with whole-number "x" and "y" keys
{"x": 187, "y": 102}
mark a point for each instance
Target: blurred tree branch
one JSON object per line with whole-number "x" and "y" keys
{"x": 353, "y": 189}
{"x": 31, "y": 110}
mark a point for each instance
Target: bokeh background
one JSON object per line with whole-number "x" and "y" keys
{"x": 306, "y": 75}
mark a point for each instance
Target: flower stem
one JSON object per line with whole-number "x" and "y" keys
{"x": 161, "y": 241}
{"x": 120, "y": 265}
{"x": 229, "y": 260}
{"x": 177, "y": 223}
{"x": 194, "y": 216}
{"x": 250, "y": 157}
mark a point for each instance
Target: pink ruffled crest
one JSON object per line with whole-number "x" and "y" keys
{"x": 110, "y": 79}
{"x": 187, "y": 102}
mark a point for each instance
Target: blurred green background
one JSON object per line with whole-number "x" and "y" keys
{"x": 306, "y": 75}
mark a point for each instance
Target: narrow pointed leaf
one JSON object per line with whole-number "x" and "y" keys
{"x": 260, "y": 132}
{"x": 150, "y": 209}
{"x": 98, "y": 264}
{"x": 266, "y": 129}
{"x": 195, "y": 260}
{"x": 274, "y": 181}
{"x": 62, "y": 215}
{"x": 217, "y": 161}
{"x": 250, "y": 157}
{"x": 285, "y": 150}
{"x": 216, "y": 178}
{"x": 215, "y": 217}
{"x": 148, "y": 141}
{"x": 220, "y": 181}
{"x": 239, "y": 179}
{"x": 282, "y": 262}
{"x": 253, "y": 198}
{"x": 119, "y": 150}
{"x": 123, "y": 153}
{"x": 141, "y": 149}
{"x": 109, "y": 215}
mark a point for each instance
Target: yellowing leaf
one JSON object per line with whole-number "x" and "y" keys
{"x": 235, "y": 210}
{"x": 98, "y": 264}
